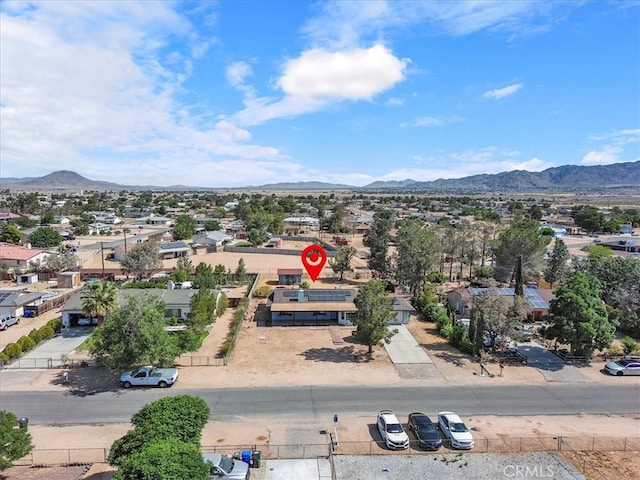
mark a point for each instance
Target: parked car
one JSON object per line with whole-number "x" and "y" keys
{"x": 525, "y": 332}
{"x": 149, "y": 376}
{"x": 622, "y": 367}
{"x": 392, "y": 430}
{"x": 226, "y": 468}
{"x": 425, "y": 431}
{"x": 455, "y": 430}
{"x": 7, "y": 321}
{"x": 83, "y": 322}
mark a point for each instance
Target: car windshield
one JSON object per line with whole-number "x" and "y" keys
{"x": 394, "y": 428}
{"x": 459, "y": 427}
{"x": 226, "y": 464}
{"x": 427, "y": 428}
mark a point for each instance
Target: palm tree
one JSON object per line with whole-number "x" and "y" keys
{"x": 100, "y": 299}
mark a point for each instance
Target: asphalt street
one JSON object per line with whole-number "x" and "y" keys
{"x": 64, "y": 408}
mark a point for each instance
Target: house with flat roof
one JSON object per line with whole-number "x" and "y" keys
{"x": 323, "y": 307}
{"x": 174, "y": 250}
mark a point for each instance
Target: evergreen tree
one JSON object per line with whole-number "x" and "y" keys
{"x": 378, "y": 240}
{"x": 375, "y": 309}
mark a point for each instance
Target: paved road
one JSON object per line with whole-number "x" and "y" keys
{"x": 59, "y": 408}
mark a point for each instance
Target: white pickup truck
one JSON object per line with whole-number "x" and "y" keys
{"x": 149, "y": 376}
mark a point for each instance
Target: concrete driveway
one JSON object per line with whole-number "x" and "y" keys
{"x": 49, "y": 353}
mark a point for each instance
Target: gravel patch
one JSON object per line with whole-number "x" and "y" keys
{"x": 463, "y": 466}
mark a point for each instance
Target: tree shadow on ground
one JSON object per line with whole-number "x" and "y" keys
{"x": 87, "y": 381}
{"x": 456, "y": 359}
{"x": 347, "y": 354}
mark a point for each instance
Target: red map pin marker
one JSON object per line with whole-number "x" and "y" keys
{"x": 313, "y": 258}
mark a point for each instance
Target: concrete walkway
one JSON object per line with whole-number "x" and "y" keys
{"x": 49, "y": 353}
{"x": 552, "y": 367}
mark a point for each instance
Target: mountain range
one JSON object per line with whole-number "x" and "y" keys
{"x": 567, "y": 178}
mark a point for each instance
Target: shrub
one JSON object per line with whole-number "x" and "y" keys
{"x": 629, "y": 345}
{"x": 460, "y": 339}
{"x": 4, "y": 358}
{"x": 47, "y": 332}
{"x": 262, "y": 291}
{"x": 223, "y": 303}
{"x": 55, "y": 324}
{"x": 35, "y": 335}
{"x": 13, "y": 350}
{"x": 26, "y": 343}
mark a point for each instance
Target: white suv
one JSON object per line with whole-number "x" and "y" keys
{"x": 392, "y": 431}
{"x": 6, "y": 322}
{"x": 455, "y": 430}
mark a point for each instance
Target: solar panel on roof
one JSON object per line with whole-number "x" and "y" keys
{"x": 4, "y": 295}
{"x": 290, "y": 293}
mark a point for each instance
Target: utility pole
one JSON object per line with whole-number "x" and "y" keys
{"x": 102, "y": 255}
{"x": 124, "y": 230}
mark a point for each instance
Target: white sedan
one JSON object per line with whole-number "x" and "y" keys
{"x": 455, "y": 430}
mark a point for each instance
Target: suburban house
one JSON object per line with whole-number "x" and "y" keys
{"x": 460, "y": 300}
{"x": 289, "y": 276}
{"x": 18, "y": 258}
{"x": 295, "y": 224}
{"x": 323, "y": 307}
{"x": 153, "y": 220}
{"x": 15, "y": 301}
{"x": 174, "y": 250}
{"x": 214, "y": 239}
{"x": 4, "y": 216}
{"x": 178, "y": 302}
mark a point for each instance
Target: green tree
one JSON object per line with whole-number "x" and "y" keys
{"x": 378, "y": 240}
{"x": 99, "y": 299}
{"x": 62, "y": 261}
{"x": 212, "y": 225}
{"x": 594, "y": 251}
{"x": 588, "y": 217}
{"x": 241, "y": 271}
{"x": 374, "y": 310}
{"x": 204, "y": 277}
{"x": 9, "y": 233}
{"x": 15, "y": 442}
{"x": 493, "y": 308}
{"x": 418, "y": 251}
{"x": 535, "y": 212}
{"x": 169, "y": 459}
{"x": 629, "y": 345}
{"x": 256, "y": 236}
{"x": 143, "y": 259}
{"x": 173, "y": 421}
{"x": 134, "y": 334}
{"x": 522, "y": 238}
{"x": 558, "y": 265}
{"x": 519, "y": 287}
{"x": 45, "y": 237}
{"x": 342, "y": 261}
{"x": 184, "y": 228}
{"x": 203, "y": 309}
{"x": 578, "y": 316}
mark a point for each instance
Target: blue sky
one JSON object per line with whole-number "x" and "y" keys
{"x": 248, "y": 92}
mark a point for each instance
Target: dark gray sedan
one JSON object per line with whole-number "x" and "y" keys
{"x": 425, "y": 431}
{"x": 622, "y": 367}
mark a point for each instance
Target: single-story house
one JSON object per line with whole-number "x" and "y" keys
{"x": 18, "y": 258}
{"x": 301, "y": 223}
{"x": 153, "y": 220}
{"x": 289, "y": 276}
{"x": 178, "y": 302}
{"x": 323, "y": 307}
{"x": 174, "y": 250}
{"x": 14, "y": 300}
{"x": 460, "y": 300}
{"x": 214, "y": 238}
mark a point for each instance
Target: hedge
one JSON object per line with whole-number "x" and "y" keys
{"x": 13, "y": 350}
{"x": 26, "y": 343}
{"x": 46, "y": 332}
{"x": 35, "y": 335}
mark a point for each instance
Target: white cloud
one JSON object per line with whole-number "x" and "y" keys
{"x": 599, "y": 158}
{"x": 503, "y": 92}
{"x": 395, "y": 102}
{"x": 430, "y": 121}
{"x": 318, "y": 78}
{"x": 356, "y": 74}
{"x": 341, "y": 24}
{"x": 237, "y": 72}
{"x": 611, "y": 146}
